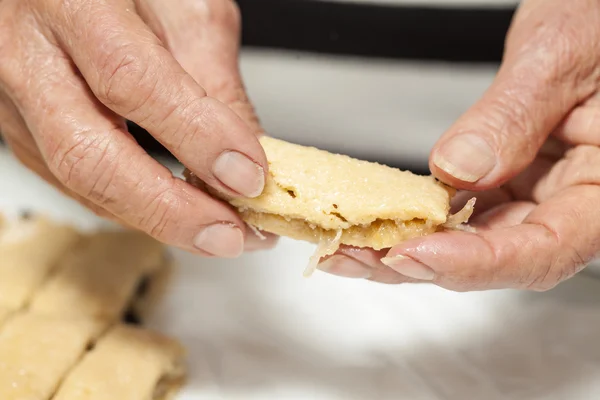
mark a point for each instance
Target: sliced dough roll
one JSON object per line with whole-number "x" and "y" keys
{"x": 128, "y": 363}
{"x": 152, "y": 290}
{"x": 29, "y": 250}
{"x": 314, "y": 195}
{"x": 36, "y": 352}
{"x": 4, "y": 314}
{"x": 100, "y": 276}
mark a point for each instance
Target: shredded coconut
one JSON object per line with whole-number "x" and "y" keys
{"x": 459, "y": 220}
{"x": 325, "y": 248}
{"x": 257, "y": 232}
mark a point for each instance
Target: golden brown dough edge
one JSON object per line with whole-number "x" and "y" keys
{"x": 378, "y": 235}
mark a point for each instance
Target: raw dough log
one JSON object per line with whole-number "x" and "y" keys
{"x": 152, "y": 289}
{"x": 29, "y": 251}
{"x": 129, "y": 364}
{"x": 100, "y": 276}
{"x": 36, "y": 352}
{"x": 4, "y": 314}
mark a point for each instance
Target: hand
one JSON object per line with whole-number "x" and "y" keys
{"x": 71, "y": 72}
{"x": 529, "y": 152}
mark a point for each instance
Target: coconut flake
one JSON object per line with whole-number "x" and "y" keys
{"x": 325, "y": 248}
{"x": 459, "y": 220}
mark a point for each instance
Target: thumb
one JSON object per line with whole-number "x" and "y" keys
{"x": 543, "y": 76}
{"x": 204, "y": 37}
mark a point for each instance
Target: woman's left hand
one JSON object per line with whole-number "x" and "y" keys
{"x": 528, "y": 150}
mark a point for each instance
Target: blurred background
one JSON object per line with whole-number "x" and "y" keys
{"x": 376, "y": 79}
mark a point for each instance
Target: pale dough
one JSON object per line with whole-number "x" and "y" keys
{"x": 155, "y": 288}
{"x": 36, "y": 352}
{"x": 127, "y": 364}
{"x": 30, "y": 250}
{"x": 100, "y": 276}
{"x": 4, "y": 314}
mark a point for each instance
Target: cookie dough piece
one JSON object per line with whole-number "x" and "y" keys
{"x": 128, "y": 363}
{"x": 100, "y": 276}
{"x": 36, "y": 352}
{"x": 29, "y": 250}
{"x": 314, "y": 195}
{"x": 151, "y": 290}
{"x": 4, "y": 314}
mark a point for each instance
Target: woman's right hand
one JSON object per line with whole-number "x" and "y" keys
{"x": 72, "y": 72}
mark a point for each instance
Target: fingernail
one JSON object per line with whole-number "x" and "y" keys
{"x": 240, "y": 173}
{"x": 221, "y": 240}
{"x": 345, "y": 267}
{"x": 466, "y": 157}
{"x": 408, "y": 267}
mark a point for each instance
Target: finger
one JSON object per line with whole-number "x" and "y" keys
{"x": 582, "y": 125}
{"x": 503, "y": 216}
{"x": 134, "y": 75}
{"x": 522, "y": 187}
{"x": 205, "y": 38}
{"x": 352, "y": 262}
{"x": 554, "y": 242}
{"x": 256, "y": 240}
{"x": 88, "y": 150}
{"x": 543, "y": 76}
{"x": 33, "y": 160}
{"x": 577, "y": 167}
{"x": 24, "y": 148}
{"x": 497, "y": 211}
{"x": 345, "y": 267}
{"x": 366, "y": 263}
{"x": 485, "y": 200}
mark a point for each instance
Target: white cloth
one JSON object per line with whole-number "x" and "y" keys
{"x": 256, "y": 329}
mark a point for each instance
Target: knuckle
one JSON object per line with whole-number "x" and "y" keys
{"x": 511, "y": 126}
{"x": 195, "y": 125}
{"x": 566, "y": 59}
{"x": 556, "y": 272}
{"x": 561, "y": 45}
{"x": 81, "y": 163}
{"x": 516, "y": 121}
{"x": 542, "y": 278}
{"x": 124, "y": 80}
{"x": 159, "y": 213}
{"x": 572, "y": 170}
{"x": 545, "y": 275}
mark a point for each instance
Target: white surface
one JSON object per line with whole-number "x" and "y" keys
{"x": 256, "y": 329}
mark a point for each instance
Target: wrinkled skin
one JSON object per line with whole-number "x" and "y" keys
{"x": 72, "y": 71}
{"x": 534, "y": 165}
